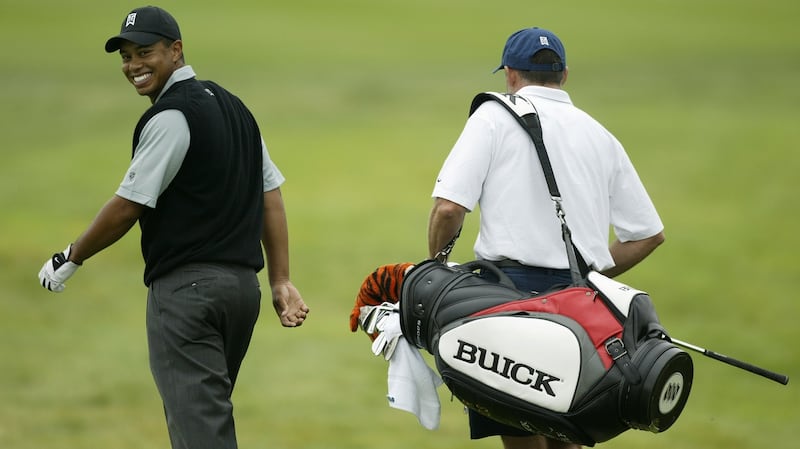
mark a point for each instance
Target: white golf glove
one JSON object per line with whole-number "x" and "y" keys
{"x": 390, "y": 333}
{"x": 57, "y": 270}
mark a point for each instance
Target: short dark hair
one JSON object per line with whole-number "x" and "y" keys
{"x": 545, "y": 56}
{"x": 168, "y": 43}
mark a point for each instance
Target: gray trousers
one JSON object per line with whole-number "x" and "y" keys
{"x": 200, "y": 319}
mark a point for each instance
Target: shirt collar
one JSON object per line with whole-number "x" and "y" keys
{"x": 182, "y": 74}
{"x": 546, "y": 92}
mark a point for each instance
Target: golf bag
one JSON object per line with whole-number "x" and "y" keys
{"x": 580, "y": 364}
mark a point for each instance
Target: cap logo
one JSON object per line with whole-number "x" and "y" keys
{"x": 543, "y": 40}
{"x": 131, "y": 20}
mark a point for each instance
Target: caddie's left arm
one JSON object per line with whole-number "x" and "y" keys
{"x": 286, "y": 299}
{"x": 113, "y": 221}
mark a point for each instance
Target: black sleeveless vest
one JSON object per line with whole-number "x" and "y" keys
{"x": 213, "y": 210}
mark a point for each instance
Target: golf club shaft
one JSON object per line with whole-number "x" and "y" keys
{"x": 780, "y": 378}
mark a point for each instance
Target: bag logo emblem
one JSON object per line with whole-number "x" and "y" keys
{"x": 670, "y": 393}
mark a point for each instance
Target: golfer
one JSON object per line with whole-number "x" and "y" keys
{"x": 206, "y": 196}
{"x": 494, "y": 165}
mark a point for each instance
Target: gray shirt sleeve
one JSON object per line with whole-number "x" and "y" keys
{"x": 157, "y": 158}
{"x": 162, "y": 147}
{"x": 273, "y": 178}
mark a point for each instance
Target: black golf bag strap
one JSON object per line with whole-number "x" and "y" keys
{"x": 525, "y": 113}
{"x": 616, "y": 349}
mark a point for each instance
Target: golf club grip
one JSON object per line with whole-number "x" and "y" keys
{"x": 780, "y": 378}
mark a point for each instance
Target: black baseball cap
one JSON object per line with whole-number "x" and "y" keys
{"x": 145, "y": 26}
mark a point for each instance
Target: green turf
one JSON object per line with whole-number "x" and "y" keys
{"x": 359, "y": 102}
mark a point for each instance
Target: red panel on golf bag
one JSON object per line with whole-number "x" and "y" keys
{"x": 579, "y": 303}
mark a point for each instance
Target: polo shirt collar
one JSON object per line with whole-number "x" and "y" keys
{"x": 182, "y": 74}
{"x": 546, "y": 92}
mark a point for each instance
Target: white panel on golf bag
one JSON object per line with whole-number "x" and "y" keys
{"x": 619, "y": 294}
{"x": 481, "y": 350}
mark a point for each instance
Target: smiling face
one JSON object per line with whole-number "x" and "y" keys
{"x": 148, "y": 67}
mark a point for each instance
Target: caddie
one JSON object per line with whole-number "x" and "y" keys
{"x": 494, "y": 166}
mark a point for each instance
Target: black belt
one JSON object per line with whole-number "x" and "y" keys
{"x": 510, "y": 263}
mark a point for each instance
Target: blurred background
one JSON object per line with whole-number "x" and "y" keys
{"x": 359, "y": 103}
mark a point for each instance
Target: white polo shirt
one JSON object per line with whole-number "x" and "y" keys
{"x": 494, "y": 165}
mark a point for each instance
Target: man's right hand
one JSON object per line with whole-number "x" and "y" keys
{"x": 57, "y": 270}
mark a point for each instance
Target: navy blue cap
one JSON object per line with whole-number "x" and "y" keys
{"x": 145, "y": 26}
{"x": 523, "y": 44}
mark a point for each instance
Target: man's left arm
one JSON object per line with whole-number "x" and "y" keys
{"x": 286, "y": 299}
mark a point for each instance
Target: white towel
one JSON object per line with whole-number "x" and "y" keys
{"x": 412, "y": 383}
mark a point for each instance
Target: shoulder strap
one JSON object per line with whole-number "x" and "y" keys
{"x": 524, "y": 111}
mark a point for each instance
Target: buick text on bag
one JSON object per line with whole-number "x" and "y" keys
{"x": 507, "y": 368}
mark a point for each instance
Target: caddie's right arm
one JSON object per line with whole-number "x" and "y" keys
{"x": 444, "y": 224}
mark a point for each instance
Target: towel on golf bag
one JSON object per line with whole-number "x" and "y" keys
{"x": 411, "y": 382}
{"x": 580, "y": 364}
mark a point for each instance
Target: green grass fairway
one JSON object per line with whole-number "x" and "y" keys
{"x": 359, "y": 102}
